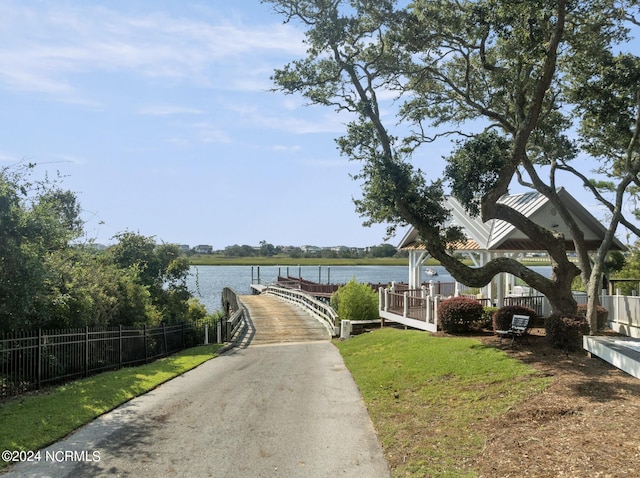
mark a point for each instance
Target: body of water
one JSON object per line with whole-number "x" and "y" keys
{"x": 207, "y": 282}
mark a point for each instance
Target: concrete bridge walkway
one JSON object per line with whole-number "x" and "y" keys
{"x": 282, "y": 404}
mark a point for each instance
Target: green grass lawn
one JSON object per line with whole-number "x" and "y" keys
{"x": 426, "y": 396}
{"x": 31, "y": 422}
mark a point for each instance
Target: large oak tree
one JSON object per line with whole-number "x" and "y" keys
{"x": 503, "y": 76}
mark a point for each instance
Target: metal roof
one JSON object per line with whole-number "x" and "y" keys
{"x": 498, "y": 235}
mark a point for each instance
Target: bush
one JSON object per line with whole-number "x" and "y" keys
{"x": 602, "y": 315}
{"x": 196, "y": 310}
{"x": 503, "y": 317}
{"x": 458, "y": 314}
{"x": 566, "y": 330}
{"x": 487, "y": 317}
{"x": 355, "y": 301}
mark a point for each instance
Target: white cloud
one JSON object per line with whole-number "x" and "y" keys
{"x": 168, "y": 110}
{"x": 281, "y": 148}
{"x": 8, "y": 157}
{"x": 46, "y": 47}
{"x": 309, "y": 124}
{"x": 308, "y": 121}
{"x": 67, "y": 158}
{"x": 208, "y": 133}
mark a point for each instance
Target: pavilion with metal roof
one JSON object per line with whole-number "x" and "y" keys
{"x": 486, "y": 240}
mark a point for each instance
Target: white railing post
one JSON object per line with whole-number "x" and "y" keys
{"x": 405, "y": 312}
{"x": 432, "y": 289}
{"x": 310, "y": 304}
{"x": 427, "y": 304}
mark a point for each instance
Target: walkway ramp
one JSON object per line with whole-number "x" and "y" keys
{"x": 272, "y": 321}
{"x": 287, "y": 409}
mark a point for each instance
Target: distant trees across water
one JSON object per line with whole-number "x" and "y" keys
{"x": 340, "y": 252}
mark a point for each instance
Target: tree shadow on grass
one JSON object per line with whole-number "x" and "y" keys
{"x": 587, "y": 377}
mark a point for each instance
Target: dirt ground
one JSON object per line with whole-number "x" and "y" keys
{"x": 586, "y": 424}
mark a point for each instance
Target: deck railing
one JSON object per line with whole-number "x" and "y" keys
{"x": 315, "y": 288}
{"x": 418, "y": 308}
{"x": 234, "y": 323}
{"x": 415, "y": 308}
{"x": 535, "y": 302}
{"x": 318, "y": 309}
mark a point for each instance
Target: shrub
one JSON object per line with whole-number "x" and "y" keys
{"x": 487, "y": 316}
{"x": 566, "y": 330}
{"x": 355, "y": 301}
{"x": 602, "y": 315}
{"x": 196, "y": 310}
{"x": 503, "y": 317}
{"x": 458, "y": 314}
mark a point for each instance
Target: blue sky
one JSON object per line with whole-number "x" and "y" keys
{"x": 158, "y": 115}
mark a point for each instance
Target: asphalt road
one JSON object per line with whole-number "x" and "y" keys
{"x": 281, "y": 405}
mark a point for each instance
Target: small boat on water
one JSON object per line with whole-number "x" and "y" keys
{"x": 430, "y": 271}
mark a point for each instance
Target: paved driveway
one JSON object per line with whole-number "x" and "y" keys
{"x": 268, "y": 408}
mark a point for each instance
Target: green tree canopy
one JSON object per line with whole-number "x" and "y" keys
{"x": 47, "y": 281}
{"x": 37, "y": 219}
{"x": 500, "y": 75}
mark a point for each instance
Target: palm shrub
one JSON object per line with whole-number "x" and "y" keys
{"x": 504, "y": 315}
{"x": 566, "y": 330}
{"x": 355, "y": 301}
{"x": 602, "y": 315}
{"x": 458, "y": 314}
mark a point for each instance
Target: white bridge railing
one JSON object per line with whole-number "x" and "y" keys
{"x": 316, "y": 308}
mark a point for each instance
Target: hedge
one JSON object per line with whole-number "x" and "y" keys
{"x": 566, "y": 330}
{"x": 458, "y": 314}
{"x": 602, "y": 315}
{"x": 503, "y": 317}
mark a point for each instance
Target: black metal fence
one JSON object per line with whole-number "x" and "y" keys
{"x": 32, "y": 360}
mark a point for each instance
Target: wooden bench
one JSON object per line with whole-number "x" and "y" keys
{"x": 519, "y": 328}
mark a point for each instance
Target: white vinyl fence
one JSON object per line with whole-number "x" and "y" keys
{"x": 624, "y": 313}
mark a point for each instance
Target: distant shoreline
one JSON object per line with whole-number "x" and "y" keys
{"x": 220, "y": 260}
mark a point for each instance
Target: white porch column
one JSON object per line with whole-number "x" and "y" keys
{"x": 416, "y": 259}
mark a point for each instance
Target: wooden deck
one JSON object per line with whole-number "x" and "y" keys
{"x": 621, "y": 352}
